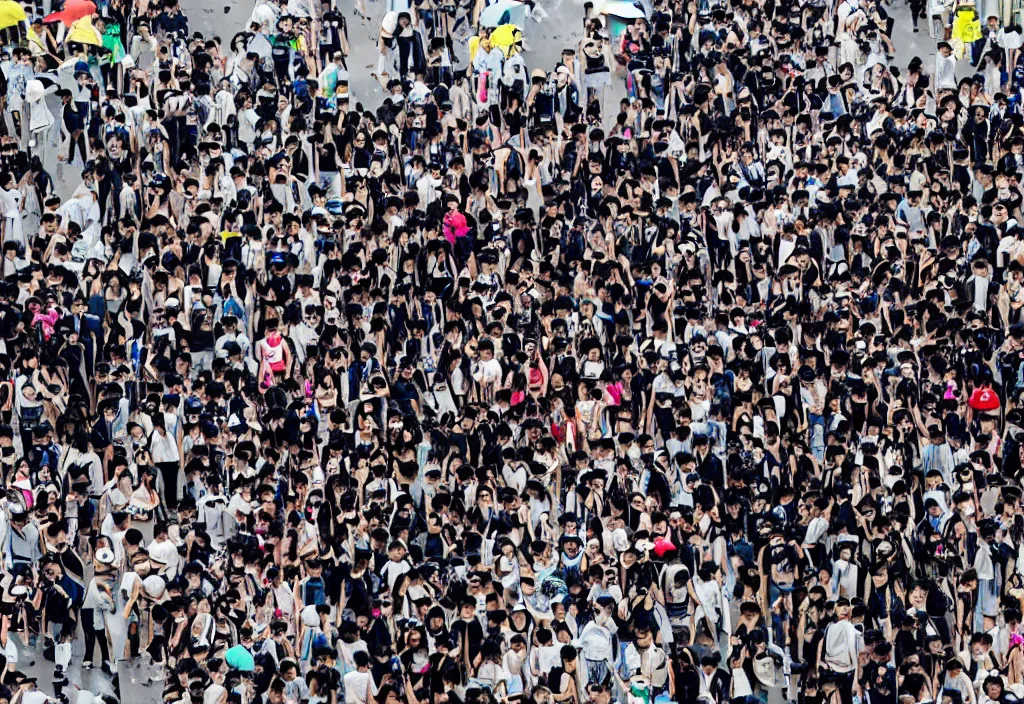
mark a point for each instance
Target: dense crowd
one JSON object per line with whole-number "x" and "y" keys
{"x": 686, "y": 369}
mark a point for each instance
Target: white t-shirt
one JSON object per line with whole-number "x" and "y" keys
{"x": 357, "y": 687}
{"x": 163, "y": 448}
{"x": 393, "y": 570}
{"x": 487, "y": 372}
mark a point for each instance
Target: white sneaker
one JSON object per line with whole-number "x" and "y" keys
{"x": 87, "y": 664}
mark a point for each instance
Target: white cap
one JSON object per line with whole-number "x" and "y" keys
{"x": 154, "y": 586}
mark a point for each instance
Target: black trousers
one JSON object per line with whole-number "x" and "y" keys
{"x": 169, "y": 471}
{"x": 844, "y": 681}
{"x": 92, "y": 636}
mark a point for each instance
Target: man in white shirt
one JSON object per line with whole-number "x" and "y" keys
{"x": 358, "y": 685}
{"x": 945, "y": 67}
{"x": 839, "y": 648}
{"x": 712, "y": 607}
{"x": 650, "y": 660}
{"x": 596, "y": 639}
{"x": 163, "y": 449}
{"x": 397, "y": 566}
{"x": 163, "y": 550}
{"x": 486, "y": 371}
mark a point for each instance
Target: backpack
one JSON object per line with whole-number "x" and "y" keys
{"x": 844, "y": 663}
{"x": 313, "y": 591}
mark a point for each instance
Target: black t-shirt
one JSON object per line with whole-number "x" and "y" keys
{"x": 470, "y": 631}
{"x": 514, "y": 120}
{"x": 405, "y": 392}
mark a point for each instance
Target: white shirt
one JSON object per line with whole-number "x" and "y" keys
{"x": 393, "y": 570}
{"x": 163, "y": 447}
{"x": 945, "y": 72}
{"x": 596, "y": 641}
{"x": 487, "y": 372}
{"x": 357, "y": 687}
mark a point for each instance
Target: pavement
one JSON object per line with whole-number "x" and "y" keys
{"x": 135, "y": 678}
{"x": 562, "y": 29}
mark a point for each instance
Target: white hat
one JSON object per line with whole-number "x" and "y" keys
{"x": 154, "y": 586}
{"x": 105, "y": 556}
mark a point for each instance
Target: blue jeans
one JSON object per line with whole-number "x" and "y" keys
{"x": 778, "y": 622}
{"x": 817, "y": 423}
{"x": 597, "y": 671}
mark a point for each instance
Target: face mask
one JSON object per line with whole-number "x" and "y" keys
{"x": 638, "y": 694}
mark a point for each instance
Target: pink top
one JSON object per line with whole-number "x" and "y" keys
{"x": 48, "y": 320}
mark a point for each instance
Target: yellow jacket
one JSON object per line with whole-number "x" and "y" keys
{"x": 966, "y": 25}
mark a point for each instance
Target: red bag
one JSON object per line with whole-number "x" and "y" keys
{"x": 984, "y": 399}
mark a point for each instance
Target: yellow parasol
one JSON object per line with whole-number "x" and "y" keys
{"x": 507, "y": 37}
{"x": 82, "y": 32}
{"x": 11, "y": 13}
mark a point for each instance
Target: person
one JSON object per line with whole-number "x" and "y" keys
{"x": 839, "y": 651}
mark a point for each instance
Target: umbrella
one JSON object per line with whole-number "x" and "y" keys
{"x": 73, "y": 10}
{"x": 506, "y": 37}
{"x": 82, "y": 32}
{"x": 11, "y": 13}
{"x": 239, "y": 658}
{"x": 47, "y": 80}
{"x": 503, "y": 12}
{"x": 34, "y": 91}
{"x": 626, "y": 10}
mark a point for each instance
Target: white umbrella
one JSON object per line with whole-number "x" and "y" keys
{"x": 625, "y": 10}
{"x": 503, "y": 12}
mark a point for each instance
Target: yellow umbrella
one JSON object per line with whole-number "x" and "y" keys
{"x": 506, "y": 37}
{"x": 11, "y": 13}
{"x": 82, "y": 32}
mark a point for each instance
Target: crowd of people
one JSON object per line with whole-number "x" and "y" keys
{"x": 685, "y": 369}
